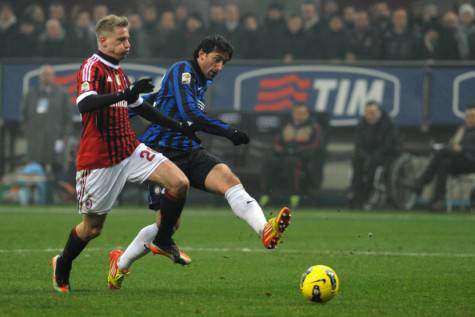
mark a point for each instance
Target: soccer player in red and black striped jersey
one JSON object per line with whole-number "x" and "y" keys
{"x": 109, "y": 153}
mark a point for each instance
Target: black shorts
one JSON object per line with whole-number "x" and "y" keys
{"x": 195, "y": 164}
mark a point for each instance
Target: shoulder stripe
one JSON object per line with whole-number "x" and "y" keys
{"x": 87, "y": 69}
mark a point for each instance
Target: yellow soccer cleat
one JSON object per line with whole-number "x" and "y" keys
{"x": 115, "y": 276}
{"x": 275, "y": 227}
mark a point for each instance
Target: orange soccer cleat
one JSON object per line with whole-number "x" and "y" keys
{"x": 275, "y": 227}
{"x": 172, "y": 251}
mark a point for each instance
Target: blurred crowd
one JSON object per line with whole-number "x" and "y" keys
{"x": 316, "y": 30}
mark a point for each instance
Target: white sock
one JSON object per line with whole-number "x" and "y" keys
{"x": 246, "y": 207}
{"x": 137, "y": 248}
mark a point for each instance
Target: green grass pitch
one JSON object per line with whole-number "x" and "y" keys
{"x": 389, "y": 264}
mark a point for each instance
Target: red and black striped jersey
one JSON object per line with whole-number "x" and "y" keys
{"x": 107, "y": 137}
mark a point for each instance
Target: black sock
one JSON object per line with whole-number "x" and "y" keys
{"x": 170, "y": 211}
{"x": 73, "y": 248}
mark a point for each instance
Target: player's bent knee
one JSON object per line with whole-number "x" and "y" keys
{"x": 180, "y": 186}
{"x": 225, "y": 173}
{"x": 229, "y": 178}
{"x": 220, "y": 179}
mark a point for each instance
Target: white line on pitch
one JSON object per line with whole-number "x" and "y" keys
{"x": 249, "y": 250}
{"x": 223, "y": 212}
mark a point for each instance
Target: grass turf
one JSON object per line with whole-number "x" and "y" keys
{"x": 389, "y": 264}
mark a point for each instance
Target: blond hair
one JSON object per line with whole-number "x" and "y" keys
{"x": 108, "y": 23}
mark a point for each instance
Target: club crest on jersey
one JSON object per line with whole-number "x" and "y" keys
{"x": 186, "y": 78}
{"x": 85, "y": 86}
{"x": 88, "y": 203}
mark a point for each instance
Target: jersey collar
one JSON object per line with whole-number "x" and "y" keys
{"x": 197, "y": 70}
{"x": 108, "y": 60}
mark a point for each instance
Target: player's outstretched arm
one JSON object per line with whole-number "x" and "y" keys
{"x": 95, "y": 102}
{"x": 131, "y": 95}
{"x": 148, "y": 112}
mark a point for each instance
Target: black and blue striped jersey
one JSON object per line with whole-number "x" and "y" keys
{"x": 182, "y": 98}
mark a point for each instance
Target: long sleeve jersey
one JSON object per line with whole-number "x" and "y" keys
{"x": 182, "y": 98}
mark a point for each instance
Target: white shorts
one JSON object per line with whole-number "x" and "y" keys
{"x": 98, "y": 189}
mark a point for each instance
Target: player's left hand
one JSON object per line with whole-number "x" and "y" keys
{"x": 141, "y": 86}
{"x": 188, "y": 130}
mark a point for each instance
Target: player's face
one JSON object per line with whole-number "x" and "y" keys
{"x": 116, "y": 44}
{"x": 212, "y": 63}
{"x": 47, "y": 75}
{"x": 470, "y": 118}
{"x": 300, "y": 114}
{"x": 372, "y": 114}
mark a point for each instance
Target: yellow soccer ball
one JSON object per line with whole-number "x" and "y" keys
{"x": 319, "y": 283}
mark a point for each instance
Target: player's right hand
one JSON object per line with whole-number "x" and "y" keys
{"x": 239, "y": 137}
{"x": 141, "y": 86}
{"x": 188, "y": 130}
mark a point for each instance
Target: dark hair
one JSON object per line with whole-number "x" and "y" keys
{"x": 470, "y": 107}
{"x": 214, "y": 43}
{"x": 196, "y": 16}
{"x": 275, "y": 6}
{"x": 373, "y": 102}
{"x": 247, "y": 15}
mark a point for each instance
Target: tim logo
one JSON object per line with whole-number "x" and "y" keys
{"x": 66, "y": 76}
{"x": 463, "y": 93}
{"x": 339, "y": 90}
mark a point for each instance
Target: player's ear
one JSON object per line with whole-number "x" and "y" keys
{"x": 102, "y": 40}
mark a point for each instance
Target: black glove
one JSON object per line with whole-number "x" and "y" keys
{"x": 139, "y": 87}
{"x": 238, "y": 137}
{"x": 189, "y": 131}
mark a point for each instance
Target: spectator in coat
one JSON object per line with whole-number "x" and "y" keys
{"x": 376, "y": 144}
{"x": 294, "y": 47}
{"x": 400, "y": 42}
{"x": 47, "y": 118}
{"x": 52, "y": 42}
{"x": 456, "y": 157}
{"x": 364, "y": 42}
{"x": 291, "y": 166}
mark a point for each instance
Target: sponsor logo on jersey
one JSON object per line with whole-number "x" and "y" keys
{"x": 88, "y": 203}
{"x": 186, "y": 78}
{"x": 340, "y": 91}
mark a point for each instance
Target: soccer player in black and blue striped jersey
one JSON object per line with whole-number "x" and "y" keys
{"x": 182, "y": 97}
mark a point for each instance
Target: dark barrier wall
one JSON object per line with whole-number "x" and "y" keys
{"x": 451, "y": 90}
{"x": 341, "y": 91}
{"x": 410, "y": 94}
{"x": 18, "y": 77}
